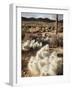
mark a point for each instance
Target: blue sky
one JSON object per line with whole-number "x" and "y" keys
{"x": 42, "y": 15}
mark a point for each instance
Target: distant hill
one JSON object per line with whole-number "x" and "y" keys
{"x": 60, "y": 21}
{"x": 38, "y": 19}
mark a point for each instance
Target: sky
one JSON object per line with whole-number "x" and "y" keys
{"x": 42, "y": 15}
